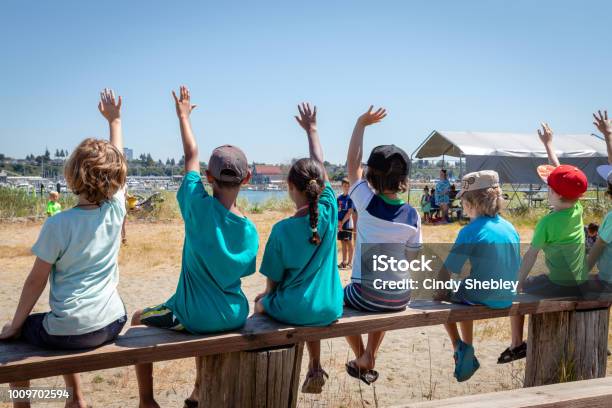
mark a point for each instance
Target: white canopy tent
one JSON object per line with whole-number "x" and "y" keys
{"x": 515, "y": 156}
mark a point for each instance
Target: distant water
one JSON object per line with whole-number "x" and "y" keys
{"x": 259, "y": 197}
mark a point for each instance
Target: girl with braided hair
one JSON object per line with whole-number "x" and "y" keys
{"x": 300, "y": 260}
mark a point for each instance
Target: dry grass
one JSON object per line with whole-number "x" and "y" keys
{"x": 415, "y": 364}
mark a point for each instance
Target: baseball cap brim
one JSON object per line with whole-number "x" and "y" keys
{"x": 605, "y": 171}
{"x": 544, "y": 171}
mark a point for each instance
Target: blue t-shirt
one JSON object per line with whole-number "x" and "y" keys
{"x": 82, "y": 245}
{"x": 442, "y": 192}
{"x": 344, "y": 205}
{"x": 309, "y": 290}
{"x": 492, "y": 246}
{"x": 219, "y": 249}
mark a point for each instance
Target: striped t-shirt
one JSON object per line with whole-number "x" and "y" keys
{"x": 382, "y": 221}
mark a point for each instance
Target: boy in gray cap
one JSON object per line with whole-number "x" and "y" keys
{"x": 219, "y": 249}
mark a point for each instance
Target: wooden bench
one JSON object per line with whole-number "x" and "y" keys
{"x": 577, "y": 327}
{"x": 595, "y": 393}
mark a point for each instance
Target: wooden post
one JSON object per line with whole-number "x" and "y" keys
{"x": 261, "y": 378}
{"x": 567, "y": 346}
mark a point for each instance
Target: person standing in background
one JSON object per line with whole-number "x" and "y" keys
{"x": 443, "y": 194}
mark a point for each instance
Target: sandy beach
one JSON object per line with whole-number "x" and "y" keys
{"x": 415, "y": 364}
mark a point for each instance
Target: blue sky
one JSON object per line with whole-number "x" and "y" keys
{"x": 452, "y": 65}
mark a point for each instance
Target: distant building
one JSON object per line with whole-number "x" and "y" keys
{"x": 266, "y": 174}
{"x": 128, "y": 153}
{"x": 3, "y": 177}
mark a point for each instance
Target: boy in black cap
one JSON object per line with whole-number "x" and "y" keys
{"x": 384, "y": 218}
{"x": 219, "y": 249}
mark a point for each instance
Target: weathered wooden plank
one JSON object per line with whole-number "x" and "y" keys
{"x": 595, "y": 393}
{"x": 140, "y": 344}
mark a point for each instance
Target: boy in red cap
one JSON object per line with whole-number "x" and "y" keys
{"x": 560, "y": 235}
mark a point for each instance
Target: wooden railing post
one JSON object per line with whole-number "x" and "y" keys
{"x": 262, "y": 378}
{"x": 567, "y": 346}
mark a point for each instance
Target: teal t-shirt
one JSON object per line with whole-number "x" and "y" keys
{"x": 219, "y": 249}
{"x": 492, "y": 246}
{"x": 82, "y": 246}
{"x": 309, "y": 291}
{"x": 604, "y": 264}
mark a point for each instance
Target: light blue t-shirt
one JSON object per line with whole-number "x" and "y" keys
{"x": 82, "y": 246}
{"x": 492, "y": 246}
{"x": 309, "y": 290}
{"x": 604, "y": 264}
{"x": 442, "y": 192}
{"x": 219, "y": 249}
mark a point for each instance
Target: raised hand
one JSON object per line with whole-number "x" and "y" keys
{"x": 546, "y": 134}
{"x": 108, "y": 106}
{"x": 308, "y": 117}
{"x": 183, "y": 103}
{"x": 369, "y": 118}
{"x": 603, "y": 124}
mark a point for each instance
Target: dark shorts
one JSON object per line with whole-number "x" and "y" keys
{"x": 162, "y": 317}
{"x": 345, "y": 234}
{"x": 358, "y": 298}
{"x": 543, "y": 286}
{"x": 33, "y": 332}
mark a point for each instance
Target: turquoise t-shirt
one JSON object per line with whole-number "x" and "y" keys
{"x": 82, "y": 246}
{"x": 492, "y": 246}
{"x": 604, "y": 264}
{"x": 219, "y": 249}
{"x": 309, "y": 291}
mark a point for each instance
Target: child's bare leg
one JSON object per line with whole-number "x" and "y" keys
{"x": 367, "y": 360}
{"x": 144, "y": 375}
{"x": 349, "y": 245}
{"x": 195, "y": 394}
{"x": 78, "y": 399}
{"x": 356, "y": 343}
{"x": 344, "y": 252}
{"x": 517, "y": 323}
{"x": 453, "y": 333}
{"x": 467, "y": 331}
{"x": 314, "y": 351}
{"x": 20, "y": 384}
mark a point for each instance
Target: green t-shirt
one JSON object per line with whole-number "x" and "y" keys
{"x": 309, "y": 291}
{"x": 53, "y": 207}
{"x": 219, "y": 249}
{"x": 560, "y": 235}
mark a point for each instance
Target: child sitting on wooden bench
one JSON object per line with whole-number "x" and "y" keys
{"x": 219, "y": 249}
{"x": 560, "y": 235}
{"x": 77, "y": 252}
{"x": 492, "y": 246}
{"x": 601, "y": 253}
{"x": 300, "y": 261}
{"x": 384, "y": 219}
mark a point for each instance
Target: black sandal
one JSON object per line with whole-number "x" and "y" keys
{"x": 513, "y": 354}
{"x": 367, "y": 376}
{"x": 189, "y": 403}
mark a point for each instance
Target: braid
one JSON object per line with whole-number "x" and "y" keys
{"x": 312, "y": 193}
{"x": 307, "y": 176}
